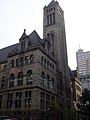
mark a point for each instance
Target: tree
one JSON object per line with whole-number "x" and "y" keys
{"x": 84, "y": 104}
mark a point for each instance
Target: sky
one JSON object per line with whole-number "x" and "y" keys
{"x": 17, "y": 15}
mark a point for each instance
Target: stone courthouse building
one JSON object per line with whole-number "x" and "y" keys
{"x": 34, "y": 72}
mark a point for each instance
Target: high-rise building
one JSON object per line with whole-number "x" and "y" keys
{"x": 34, "y": 72}
{"x": 83, "y": 67}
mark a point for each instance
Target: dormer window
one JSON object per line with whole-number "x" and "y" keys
{"x": 22, "y": 45}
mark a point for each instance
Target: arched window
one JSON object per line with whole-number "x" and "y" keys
{"x": 47, "y": 64}
{"x": 12, "y": 76}
{"x": 20, "y": 79}
{"x": 17, "y": 62}
{"x": 31, "y": 58}
{"x": 26, "y": 60}
{"x": 11, "y": 81}
{"x": 29, "y": 77}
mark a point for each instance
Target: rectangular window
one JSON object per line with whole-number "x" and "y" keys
{"x": 21, "y": 61}
{"x": 12, "y": 63}
{"x": 23, "y": 45}
{"x": 47, "y": 20}
{"x": 27, "y": 100}
{"x": 42, "y": 104}
{"x": 9, "y": 100}
{"x": 1, "y": 101}
{"x": 18, "y": 100}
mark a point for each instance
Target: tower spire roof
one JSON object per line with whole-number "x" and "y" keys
{"x": 51, "y": 3}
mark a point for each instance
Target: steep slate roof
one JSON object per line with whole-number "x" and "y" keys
{"x": 51, "y": 3}
{"x": 5, "y": 51}
{"x": 34, "y": 38}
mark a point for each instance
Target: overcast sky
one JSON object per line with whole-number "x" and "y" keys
{"x": 17, "y": 15}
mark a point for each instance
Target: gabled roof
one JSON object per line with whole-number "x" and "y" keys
{"x": 51, "y": 3}
{"x": 23, "y": 35}
{"x": 5, "y": 51}
{"x": 34, "y": 38}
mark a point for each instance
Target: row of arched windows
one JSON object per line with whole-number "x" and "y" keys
{"x": 11, "y": 80}
{"x": 51, "y": 19}
{"x": 47, "y": 81}
{"x": 22, "y": 61}
{"x": 46, "y": 63}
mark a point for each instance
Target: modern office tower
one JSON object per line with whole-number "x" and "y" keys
{"x": 34, "y": 72}
{"x": 83, "y": 67}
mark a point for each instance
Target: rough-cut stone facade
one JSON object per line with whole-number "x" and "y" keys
{"x": 34, "y": 72}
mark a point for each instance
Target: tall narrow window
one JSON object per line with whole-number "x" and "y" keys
{"x": 42, "y": 101}
{"x": 53, "y": 18}
{"x": 21, "y": 61}
{"x": 45, "y": 62}
{"x": 29, "y": 77}
{"x": 3, "y": 82}
{"x": 50, "y": 19}
{"x": 20, "y": 79}
{"x": 9, "y": 100}
{"x": 31, "y": 58}
{"x": 12, "y": 63}
{"x": 53, "y": 84}
{"x": 42, "y": 60}
{"x": 42, "y": 78}
{"x": 17, "y": 62}
{"x": 47, "y": 20}
{"x": 22, "y": 45}
{"x": 26, "y": 60}
{"x": 11, "y": 82}
{"x": 1, "y": 96}
{"x": 27, "y": 100}
{"x": 18, "y": 100}
{"x": 48, "y": 83}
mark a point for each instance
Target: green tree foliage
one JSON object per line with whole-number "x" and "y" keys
{"x": 84, "y": 104}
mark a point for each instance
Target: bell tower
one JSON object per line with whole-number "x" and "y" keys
{"x": 54, "y": 29}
